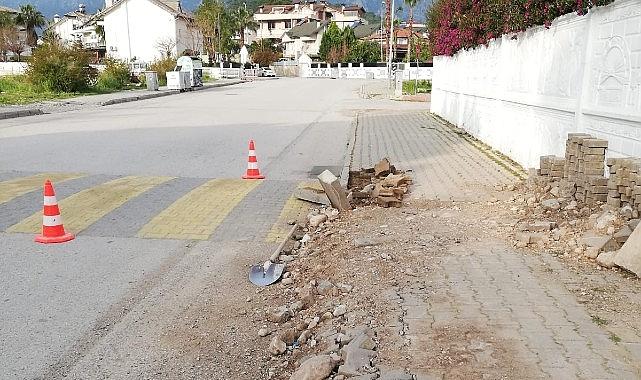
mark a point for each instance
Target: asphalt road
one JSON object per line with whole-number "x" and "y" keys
{"x": 166, "y": 228}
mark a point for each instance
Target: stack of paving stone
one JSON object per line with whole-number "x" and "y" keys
{"x": 624, "y": 184}
{"x": 585, "y": 166}
{"x": 552, "y": 166}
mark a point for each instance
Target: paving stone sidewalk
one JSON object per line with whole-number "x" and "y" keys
{"x": 509, "y": 294}
{"x": 486, "y": 287}
{"x": 444, "y": 165}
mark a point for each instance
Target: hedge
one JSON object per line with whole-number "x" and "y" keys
{"x": 462, "y": 24}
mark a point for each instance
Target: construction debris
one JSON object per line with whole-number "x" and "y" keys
{"x": 382, "y": 185}
{"x": 335, "y": 192}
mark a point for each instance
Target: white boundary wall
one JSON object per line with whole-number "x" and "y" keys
{"x": 522, "y": 96}
{"x": 13, "y": 68}
{"x": 357, "y": 71}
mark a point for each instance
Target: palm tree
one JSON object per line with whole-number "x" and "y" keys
{"x": 31, "y": 18}
{"x": 411, "y": 4}
{"x": 244, "y": 20}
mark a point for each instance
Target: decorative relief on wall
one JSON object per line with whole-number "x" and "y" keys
{"x": 613, "y": 80}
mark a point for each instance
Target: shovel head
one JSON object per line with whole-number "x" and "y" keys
{"x": 266, "y": 274}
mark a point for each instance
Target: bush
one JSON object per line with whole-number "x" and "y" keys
{"x": 462, "y": 24}
{"x": 59, "y": 68}
{"x": 116, "y": 76}
{"x": 161, "y": 66}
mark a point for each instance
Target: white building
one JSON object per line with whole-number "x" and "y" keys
{"x": 144, "y": 30}
{"x": 67, "y": 26}
{"x": 276, "y": 20}
{"x": 304, "y": 39}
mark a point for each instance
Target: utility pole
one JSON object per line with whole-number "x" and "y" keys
{"x": 391, "y": 41}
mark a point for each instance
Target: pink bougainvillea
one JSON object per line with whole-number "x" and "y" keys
{"x": 462, "y": 24}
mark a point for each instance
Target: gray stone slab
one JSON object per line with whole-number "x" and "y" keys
{"x": 129, "y": 218}
{"x": 629, "y": 256}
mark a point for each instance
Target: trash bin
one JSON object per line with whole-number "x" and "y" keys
{"x": 151, "y": 77}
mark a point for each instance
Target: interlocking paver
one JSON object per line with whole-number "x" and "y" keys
{"x": 444, "y": 167}
{"x": 198, "y": 213}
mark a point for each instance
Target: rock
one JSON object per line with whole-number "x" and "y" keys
{"x": 324, "y": 287}
{"x": 623, "y": 234}
{"x": 606, "y": 259}
{"x": 540, "y": 225}
{"x": 396, "y": 374}
{"x": 571, "y": 206}
{"x": 345, "y": 288}
{"x": 332, "y": 213}
{"x": 531, "y": 201}
{"x": 288, "y": 336}
{"x": 315, "y": 368}
{"x": 306, "y": 238}
{"x": 297, "y": 306}
{"x": 551, "y": 205}
{"x": 287, "y": 281}
{"x": 382, "y": 168}
{"x": 356, "y": 359}
{"x": 600, "y": 243}
{"x": 385, "y": 256}
{"x": 604, "y": 220}
{"x": 279, "y": 315}
{"x": 304, "y": 337}
{"x": 591, "y": 252}
{"x": 567, "y": 189}
{"x": 633, "y": 223}
{"x": 317, "y": 220}
{"x": 277, "y": 346}
{"x": 368, "y": 242}
{"x": 555, "y": 191}
{"x": 626, "y": 212}
{"x": 313, "y": 323}
{"x": 339, "y": 310}
{"x": 306, "y": 295}
{"x": 326, "y": 316}
{"x": 263, "y": 332}
{"x": 286, "y": 258}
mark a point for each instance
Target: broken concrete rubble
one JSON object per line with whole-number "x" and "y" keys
{"x": 315, "y": 368}
{"x": 629, "y": 256}
{"x": 335, "y": 192}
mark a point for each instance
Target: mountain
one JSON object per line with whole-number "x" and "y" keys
{"x": 60, "y": 7}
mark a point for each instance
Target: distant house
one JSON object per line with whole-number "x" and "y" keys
{"x": 78, "y": 27}
{"x": 145, "y": 30}
{"x": 304, "y": 39}
{"x": 22, "y": 34}
{"x": 276, "y": 20}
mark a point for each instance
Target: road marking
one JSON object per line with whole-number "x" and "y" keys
{"x": 198, "y": 213}
{"x": 293, "y": 209}
{"x": 82, "y": 209}
{"x": 19, "y": 186}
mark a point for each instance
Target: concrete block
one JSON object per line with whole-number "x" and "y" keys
{"x": 335, "y": 192}
{"x": 629, "y": 256}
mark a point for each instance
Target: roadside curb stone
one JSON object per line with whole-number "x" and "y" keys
{"x": 21, "y": 113}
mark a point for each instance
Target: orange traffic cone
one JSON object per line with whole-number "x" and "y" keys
{"x": 52, "y": 229}
{"x": 252, "y": 164}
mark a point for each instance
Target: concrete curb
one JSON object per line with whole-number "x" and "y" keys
{"x": 153, "y": 95}
{"x": 349, "y": 152}
{"x": 21, "y": 113}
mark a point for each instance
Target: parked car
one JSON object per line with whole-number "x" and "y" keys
{"x": 266, "y": 72}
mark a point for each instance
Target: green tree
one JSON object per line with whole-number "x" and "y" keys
{"x": 211, "y": 18}
{"x": 60, "y": 68}
{"x": 411, "y": 4}
{"x": 332, "y": 39}
{"x": 364, "y": 51}
{"x": 243, "y": 20}
{"x": 31, "y": 18}
{"x": 422, "y": 51}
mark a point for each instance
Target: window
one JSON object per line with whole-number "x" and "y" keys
{"x": 288, "y": 24}
{"x": 401, "y": 41}
{"x": 271, "y": 24}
